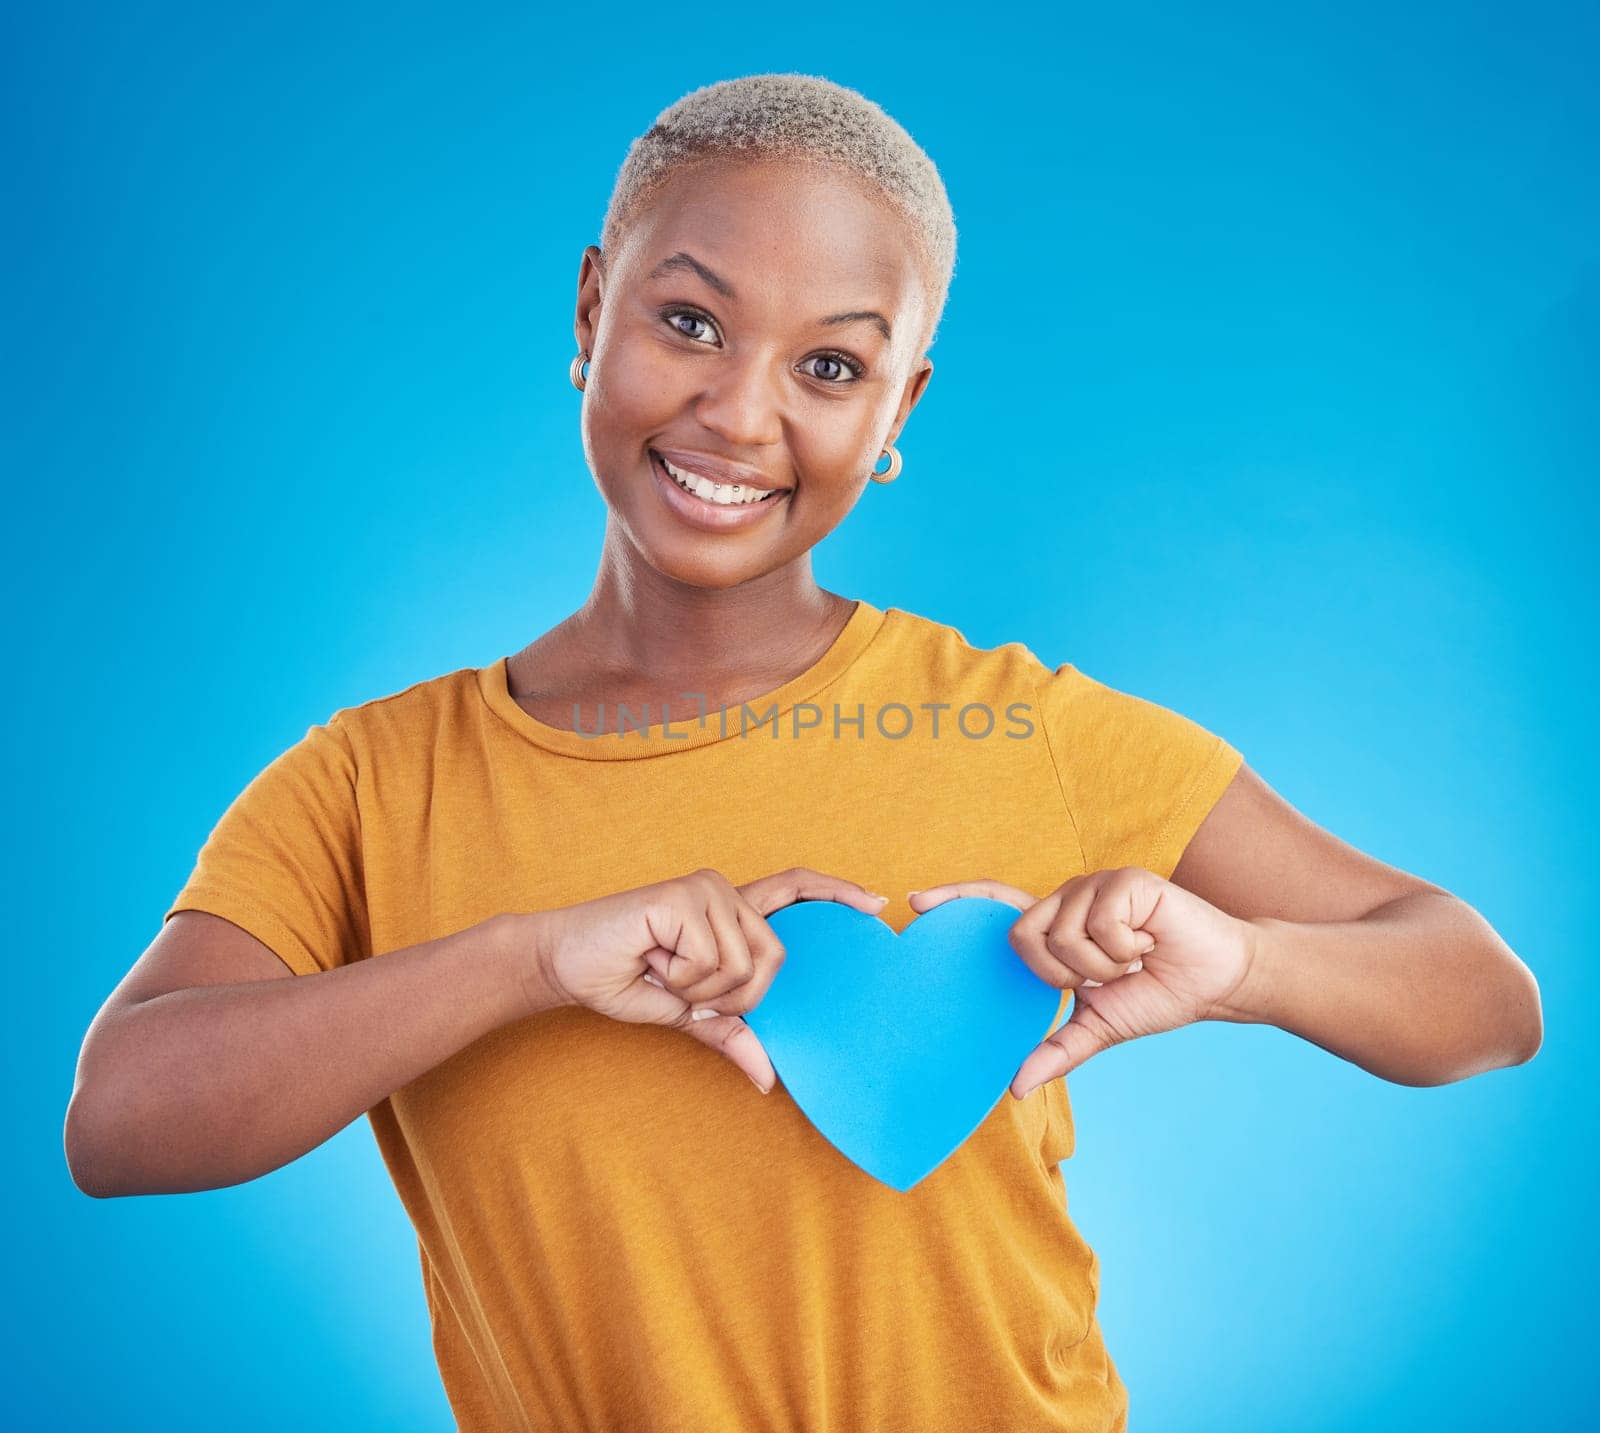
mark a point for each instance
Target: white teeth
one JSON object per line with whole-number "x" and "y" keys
{"x": 725, "y": 493}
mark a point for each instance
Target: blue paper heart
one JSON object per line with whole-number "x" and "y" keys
{"x": 896, "y": 1047}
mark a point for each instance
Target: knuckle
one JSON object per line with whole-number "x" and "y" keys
{"x": 1102, "y": 924}
{"x": 1051, "y": 975}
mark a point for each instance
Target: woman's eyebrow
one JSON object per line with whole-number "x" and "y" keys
{"x": 715, "y": 281}
{"x": 871, "y": 315}
{"x": 681, "y": 260}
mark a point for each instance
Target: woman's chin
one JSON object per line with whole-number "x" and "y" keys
{"x": 700, "y": 564}
{"x": 712, "y": 576}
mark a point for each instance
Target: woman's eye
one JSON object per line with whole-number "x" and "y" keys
{"x": 840, "y": 370}
{"x": 683, "y": 316}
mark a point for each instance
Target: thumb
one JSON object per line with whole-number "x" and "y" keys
{"x": 1082, "y": 1035}
{"x": 728, "y": 1035}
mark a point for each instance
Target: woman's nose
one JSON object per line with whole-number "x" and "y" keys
{"x": 743, "y": 403}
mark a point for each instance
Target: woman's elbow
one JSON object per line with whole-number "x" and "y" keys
{"x": 80, "y": 1145}
{"x": 1525, "y": 1015}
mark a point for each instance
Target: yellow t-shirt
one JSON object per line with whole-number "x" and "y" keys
{"x": 616, "y": 1229}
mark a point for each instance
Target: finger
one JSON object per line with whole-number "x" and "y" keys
{"x": 1068, "y": 940}
{"x": 732, "y": 1038}
{"x": 1063, "y": 1050}
{"x": 1062, "y": 936}
{"x": 659, "y": 959}
{"x": 1045, "y": 934}
{"x": 801, "y": 883}
{"x": 767, "y": 955}
{"x": 1027, "y": 936}
{"x": 1113, "y": 921}
{"x": 734, "y": 964}
{"x": 686, "y": 949}
{"x": 931, "y": 896}
{"x": 655, "y": 1004}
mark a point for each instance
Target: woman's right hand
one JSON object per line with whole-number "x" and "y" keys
{"x": 653, "y": 954}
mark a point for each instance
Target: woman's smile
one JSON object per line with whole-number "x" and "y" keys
{"x": 711, "y": 507}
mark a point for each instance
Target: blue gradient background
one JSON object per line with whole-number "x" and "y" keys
{"x": 1265, "y": 391}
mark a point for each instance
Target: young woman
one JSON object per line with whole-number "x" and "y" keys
{"x": 530, "y": 899}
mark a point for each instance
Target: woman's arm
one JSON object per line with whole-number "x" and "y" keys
{"x": 1370, "y": 962}
{"x": 1421, "y": 991}
{"x": 203, "y": 1087}
{"x": 1269, "y": 919}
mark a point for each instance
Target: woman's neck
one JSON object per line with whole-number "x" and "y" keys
{"x": 653, "y": 639}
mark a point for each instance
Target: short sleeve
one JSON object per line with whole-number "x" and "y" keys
{"x": 284, "y": 861}
{"x": 1137, "y": 778}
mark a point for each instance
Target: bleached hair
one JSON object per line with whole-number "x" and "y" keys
{"x": 801, "y": 116}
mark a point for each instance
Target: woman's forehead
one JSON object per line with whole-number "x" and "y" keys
{"x": 757, "y": 229}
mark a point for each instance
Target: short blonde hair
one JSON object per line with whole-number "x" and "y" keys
{"x": 799, "y": 116}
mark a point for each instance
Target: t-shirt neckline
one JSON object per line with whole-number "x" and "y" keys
{"x": 685, "y": 730}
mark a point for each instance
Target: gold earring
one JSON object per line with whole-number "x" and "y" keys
{"x": 580, "y": 380}
{"x": 893, "y": 470}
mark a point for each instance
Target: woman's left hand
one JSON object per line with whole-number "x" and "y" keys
{"x": 1141, "y": 954}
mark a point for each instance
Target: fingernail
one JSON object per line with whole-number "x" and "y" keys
{"x": 703, "y": 1012}
{"x": 1088, "y": 982}
{"x": 1148, "y": 945}
{"x": 763, "y": 1088}
{"x": 1027, "y": 1091}
{"x": 909, "y": 894}
{"x": 650, "y": 979}
{"x": 875, "y": 896}
{"x": 1136, "y": 965}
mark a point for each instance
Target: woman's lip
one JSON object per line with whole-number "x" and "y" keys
{"x": 712, "y": 471}
{"x": 709, "y": 517}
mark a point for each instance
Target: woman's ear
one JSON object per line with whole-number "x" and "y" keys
{"x": 591, "y": 284}
{"x": 916, "y": 385}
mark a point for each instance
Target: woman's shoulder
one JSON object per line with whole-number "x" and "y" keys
{"x": 422, "y": 704}
{"x": 974, "y": 645}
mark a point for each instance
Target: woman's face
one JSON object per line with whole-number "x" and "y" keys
{"x": 730, "y": 335}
